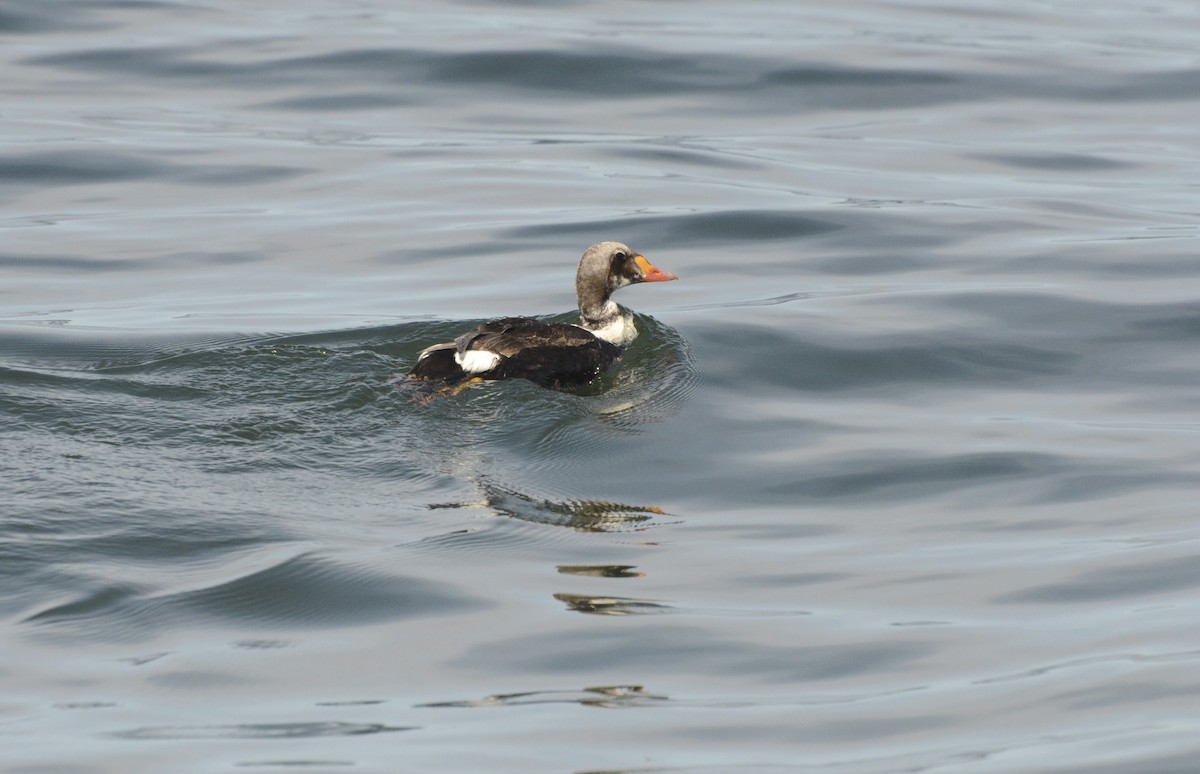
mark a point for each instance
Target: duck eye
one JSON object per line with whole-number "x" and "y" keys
{"x": 620, "y": 255}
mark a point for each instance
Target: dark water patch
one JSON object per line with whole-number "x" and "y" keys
{"x": 747, "y": 244}
{"x": 85, "y": 705}
{"x": 1024, "y": 525}
{"x": 1166, "y": 85}
{"x": 1181, "y": 325}
{"x": 196, "y": 680}
{"x": 708, "y": 228}
{"x": 338, "y": 103}
{"x": 780, "y": 531}
{"x": 79, "y": 385}
{"x": 352, "y": 703}
{"x": 1015, "y": 477}
{"x": 1113, "y": 583}
{"x": 27, "y": 20}
{"x": 301, "y": 730}
{"x": 1112, "y": 343}
{"x": 317, "y": 763}
{"x": 1059, "y": 162}
{"x": 808, "y": 366}
{"x": 786, "y": 298}
{"x": 1055, "y": 313}
{"x": 75, "y": 167}
{"x": 1169, "y": 265}
{"x": 874, "y": 265}
{"x": 88, "y": 605}
{"x": 73, "y": 349}
{"x": 49, "y": 16}
{"x": 74, "y": 264}
{"x": 1128, "y": 692}
{"x": 1095, "y": 482}
{"x": 144, "y": 540}
{"x": 301, "y": 592}
{"x": 249, "y": 391}
{"x": 682, "y": 157}
{"x": 824, "y": 239}
{"x": 1135, "y": 764}
{"x": 569, "y": 74}
{"x": 821, "y": 86}
{"x": 857, "y": 730}
{"x": 751, "y": 83}
{"x": 233, "y": 174}
{"x": 487, "y": 538}
{"x": 612, "y": 73}
{"x": 830, "y": 86}
{"x": 605, "y": 696}
{"x": 664, "y": 649}
{"x": 789, "y": 580}
{"x": 842, "y": 77}
{"x": 154, "y": 62}
{"x": 902, "y": 477}
{"x": 306, "y": 591}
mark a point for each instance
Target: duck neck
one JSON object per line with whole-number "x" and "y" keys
{"x": 598, "y": 313}
{"x": 609, "y": 322}
{"x": 594, "y": 304}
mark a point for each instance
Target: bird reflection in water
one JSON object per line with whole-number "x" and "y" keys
{"x": 601, "y": 570}
{"x": 582, "y": 603}
{"x": 587, "y": 515}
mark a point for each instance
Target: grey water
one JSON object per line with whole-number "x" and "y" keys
{"x": 902, "y": 475}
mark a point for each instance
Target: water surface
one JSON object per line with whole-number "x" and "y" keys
{"x": 900, "y": 476}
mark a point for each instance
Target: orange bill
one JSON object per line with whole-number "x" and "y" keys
{"x": 650, "y": 272}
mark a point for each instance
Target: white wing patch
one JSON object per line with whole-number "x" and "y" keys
{"x": 476, "y": 361}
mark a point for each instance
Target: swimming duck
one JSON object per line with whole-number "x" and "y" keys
{"x": 546, "y": 353}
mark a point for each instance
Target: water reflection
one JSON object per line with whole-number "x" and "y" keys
{"x": 606, "y": 696}
{"x": 601, "y": 570}
{"x": 260, "y": 731}
{"x": 587, "y": 515}
{"x": 582, "y": 603}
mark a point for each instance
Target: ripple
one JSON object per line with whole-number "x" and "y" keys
{"x": 1112, "y": 583}
{"x": 681, "y": 650}
{"x": 1063, "y": 162}
{"x": 688, "y": 230}
{"x": 311, "y": 730}
{"x": 305, "y": 591}
{"x": 607, "y": 696}
{"x": 71, "y": 167}
{"x": 810, "y": 366}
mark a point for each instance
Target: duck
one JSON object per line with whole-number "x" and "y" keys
{"x": 550, "y": 354}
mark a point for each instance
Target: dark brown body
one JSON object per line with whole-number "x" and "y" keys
{"x": 548, "y": 354}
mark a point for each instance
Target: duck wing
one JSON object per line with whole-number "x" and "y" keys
{"x": 547, "y": 354}
{"x": 509, "y": 336}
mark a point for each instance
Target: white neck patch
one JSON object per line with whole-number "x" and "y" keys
{"x": 618, "y": 329}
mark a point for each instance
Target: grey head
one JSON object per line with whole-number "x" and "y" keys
{"x": 604, "y": 268}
